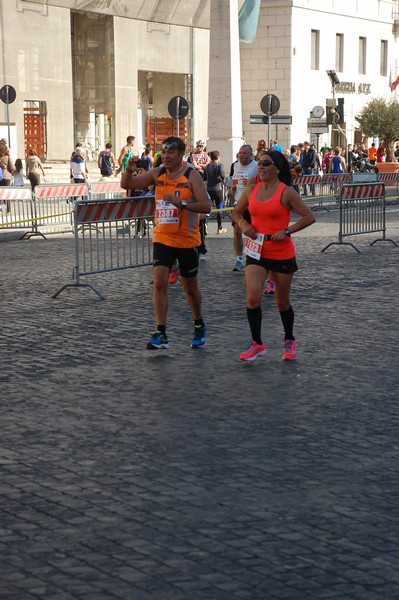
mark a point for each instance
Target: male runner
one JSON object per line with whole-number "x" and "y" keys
{"x": 180, "y": 196}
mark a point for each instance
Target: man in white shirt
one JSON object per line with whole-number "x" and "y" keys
{"x": 244, "y": 169}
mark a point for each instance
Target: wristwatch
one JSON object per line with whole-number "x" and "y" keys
{"x": 183, "y": 204}
{"x": 287, "y": 232}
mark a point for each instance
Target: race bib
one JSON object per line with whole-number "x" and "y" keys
{"x": 253, "y": 248}
{"x": 240, "y": 181}
{"x": 166, "y": 214}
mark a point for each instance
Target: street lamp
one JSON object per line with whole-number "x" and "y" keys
{"x": 334, "y": 79}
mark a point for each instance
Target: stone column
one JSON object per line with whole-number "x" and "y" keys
{"x": 224, "y": 113}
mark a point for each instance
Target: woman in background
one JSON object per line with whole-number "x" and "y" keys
{"x": 6, "y": 164}
{"x": 34, "y": 168}
{"x": 19, "y": 178}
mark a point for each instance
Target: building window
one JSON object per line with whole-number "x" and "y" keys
{"x": 384, "y": 58}
{"x": 362, "y": 55}
{"x": 339, "y": 52}
{"x": 315, "y": 50}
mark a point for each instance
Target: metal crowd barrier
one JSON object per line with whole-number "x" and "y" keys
{"x": 16, "y": 210}
{"x": 107, "y": 239}
{"x": 53, "y": 207}
{"x": 390, "y": 179}
{"x": 309, "y": 186}
{"x": 361, "y": 210}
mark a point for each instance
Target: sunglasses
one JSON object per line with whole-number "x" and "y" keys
{"x": 170, "y": 146}
{"x": 265, "y": 163}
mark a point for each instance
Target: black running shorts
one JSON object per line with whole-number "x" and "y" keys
{"x": 166, "y": 256}
{"x": 287, "y": 265}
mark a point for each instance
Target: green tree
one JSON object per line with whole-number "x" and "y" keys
{"x": 381, "y": 118}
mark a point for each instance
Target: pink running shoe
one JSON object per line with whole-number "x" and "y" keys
{"x": 174, "y": 275}
{"x": 270, "y": 287}
{"x": 253, "y": 351}
{"x": 289, "y": 350}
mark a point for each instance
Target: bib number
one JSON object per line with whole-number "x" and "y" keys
{"x": 253, "y": 248}
{"x": 166, "y": 214}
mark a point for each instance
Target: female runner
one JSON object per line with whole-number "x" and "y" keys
{"x": 269, "y": 247}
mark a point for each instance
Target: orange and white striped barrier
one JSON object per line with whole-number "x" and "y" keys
{"x": 70, "y": 190}
{"x": 110, "y": 189}
{"x": 114, "y": 210}
{"x": 53, "y": 205}
{"x": 110, "y": 235}
{"x": 363, "y": 191}
{"x": 307, "y": 179}
{"x": 16, "y": 208}
{"x": 15, "y": 193}
{"x": 388, "y": 177}
{"x": 337, "y": 178}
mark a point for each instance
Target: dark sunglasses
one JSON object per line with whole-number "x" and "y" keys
{"x": 170, "y": 146}
{"x": 265, "y": 163}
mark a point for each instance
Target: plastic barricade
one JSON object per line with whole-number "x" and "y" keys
{"x": 309, "y": 187}
{"x": 16, "y": 210}
{"x": 106, "y": 189}
{"x": 390, "y": 180}
{"x": 53, "y": 206}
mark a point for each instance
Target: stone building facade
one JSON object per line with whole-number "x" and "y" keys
{"x": 99, "y": 70}
{"x": 297, "y": 41}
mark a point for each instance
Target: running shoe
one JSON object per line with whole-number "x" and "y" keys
{"x": 253, "y": 351}
{"x": 174, "y": 274}
{"x": 157, "y": 341}
{"x": 198, "y": 337}
{"x": 221, "y": 230}
{"x": 270, "y": 287}
{"x": 289, "y": 350}
{"x": 239, "y": 266}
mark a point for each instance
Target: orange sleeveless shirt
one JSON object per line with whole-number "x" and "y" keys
{"x": 175, "y": 227}
{"x": 269, "y": 217}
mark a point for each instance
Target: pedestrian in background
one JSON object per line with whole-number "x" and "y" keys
{"x": 19, "y": 178}
{"x": 308, "y": 165}
{"x": 126, "y": 153}
{"x": 337, "y": 163}
{"x": 199, "y": 158}
{"x": 6, "y": 164}
{"x": 381, "y": 153}
{"x": 214, "y": 177}
{"x": 34, "y": 168}
{"x": 243, "y": 170}
{"x": 259, "y": 148}
{"x": 78, "y": 166}
{"x": 106, "y": 161}
{"x": 372, "y": 154}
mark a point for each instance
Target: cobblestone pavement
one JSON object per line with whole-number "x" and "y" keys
{"x": 188, "y": 474}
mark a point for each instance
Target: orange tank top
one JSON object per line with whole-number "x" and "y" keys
{"x": 269, "y": 217}
{"x": 175, "y": 227}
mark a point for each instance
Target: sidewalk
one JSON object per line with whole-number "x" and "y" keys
{"x": 187, "y": 474}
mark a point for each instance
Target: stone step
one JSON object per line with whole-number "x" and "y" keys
{"x": 58, "y": 172}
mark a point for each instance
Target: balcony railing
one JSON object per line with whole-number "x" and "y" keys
{"x": 395, "y": 9}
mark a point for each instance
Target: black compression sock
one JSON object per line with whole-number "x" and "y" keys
{"x": 287, "y": 317}
{"x": 254, "y": 316}
{"x": 162, "y": 329}
{"x": 199, "y": 322}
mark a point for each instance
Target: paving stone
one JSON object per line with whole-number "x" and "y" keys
{"x": 187, "y": 474}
